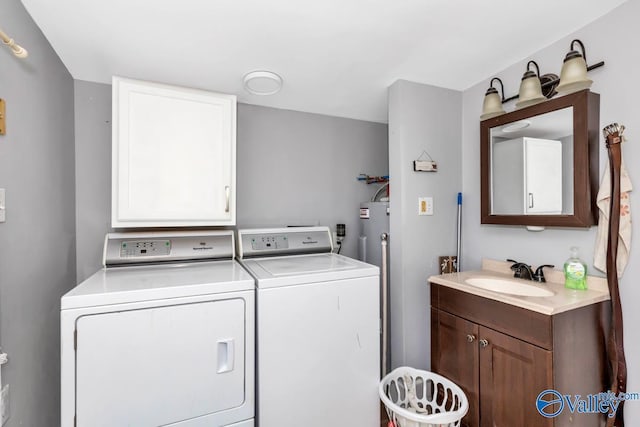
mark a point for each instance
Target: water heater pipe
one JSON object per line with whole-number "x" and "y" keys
{"x": 383, "y": 274}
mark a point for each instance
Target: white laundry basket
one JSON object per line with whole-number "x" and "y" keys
{"x": 415, "y": 398}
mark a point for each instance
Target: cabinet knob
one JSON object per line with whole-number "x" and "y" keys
{"x": 483, "y": 343}
{"x": 471, "y": 338}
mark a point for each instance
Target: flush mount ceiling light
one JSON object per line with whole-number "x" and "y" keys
{"x": 516, "y": 126}
{"x": 262, "y": 82}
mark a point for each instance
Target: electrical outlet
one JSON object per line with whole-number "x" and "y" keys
{"x": 4, "y": 405}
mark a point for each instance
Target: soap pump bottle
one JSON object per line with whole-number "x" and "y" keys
{"x": 575, "y": 271}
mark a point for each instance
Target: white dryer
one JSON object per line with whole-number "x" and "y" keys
{"x": 318, "y": 330}
{"x": 163, "y": 335}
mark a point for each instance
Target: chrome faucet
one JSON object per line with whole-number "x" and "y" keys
{"x": 524, "y": 271}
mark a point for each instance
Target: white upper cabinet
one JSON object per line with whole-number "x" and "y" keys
{"x": 174, "y": 155}
{"x": 527, "y": 176}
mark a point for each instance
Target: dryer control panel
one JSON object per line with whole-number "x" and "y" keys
{"x": 283, "y": 241}
{"x": 145, "y": 247}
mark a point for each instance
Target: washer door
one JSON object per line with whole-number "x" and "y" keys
{"x": 160, "y": 365}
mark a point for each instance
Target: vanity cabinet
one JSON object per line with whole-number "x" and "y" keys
{"x": 174, "y": 153}
{"x": 503, "y": 356}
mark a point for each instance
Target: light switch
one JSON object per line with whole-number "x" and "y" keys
{"x": 2, "y": 205}
{"x": 425, "y": 205}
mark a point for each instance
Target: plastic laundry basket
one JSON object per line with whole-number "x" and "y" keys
{"x": 415, "y": 398}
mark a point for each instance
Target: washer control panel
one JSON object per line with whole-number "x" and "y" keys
{"x": 263, "y": 243}
{"x": 284, "y": 241}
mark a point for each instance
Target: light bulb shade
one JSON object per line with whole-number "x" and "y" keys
{"x": 530, "y": 90}
{"x": 492, "y": 105}
{"x": 573, "y": 76}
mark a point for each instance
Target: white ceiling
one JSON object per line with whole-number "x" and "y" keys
{"x": 337, "y": 57}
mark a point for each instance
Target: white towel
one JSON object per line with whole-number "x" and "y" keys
{"x": 603, "y": 202}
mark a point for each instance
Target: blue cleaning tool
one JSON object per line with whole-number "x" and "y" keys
{"x": 458, "y": 258}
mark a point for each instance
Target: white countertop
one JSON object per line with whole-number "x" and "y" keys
{"x": 562, "y": 300}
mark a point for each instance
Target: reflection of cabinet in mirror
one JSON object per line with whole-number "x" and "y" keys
{"x": 527, "y": 176}
{"x": 507, "y": 179}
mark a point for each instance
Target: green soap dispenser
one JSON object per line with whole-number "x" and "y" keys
{"x": 575, "y": 271}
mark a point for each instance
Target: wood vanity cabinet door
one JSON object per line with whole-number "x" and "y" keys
{"x": 455, "y": 356}
{"x": 512, "y": 374}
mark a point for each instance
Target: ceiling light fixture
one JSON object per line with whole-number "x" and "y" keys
{"x": 516, "y": 126}
{"x": 17, "y": 50}
{"x": 262, "y": 82}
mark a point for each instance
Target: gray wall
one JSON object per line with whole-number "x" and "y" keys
{"x": 298, "y": 168}
{"x": 93, "y": 173}
{"x": 293, "y": 168}
{"x": 421, "y": 118}
{"x": 612, "y": 39}
{"x": 37, "y": 245}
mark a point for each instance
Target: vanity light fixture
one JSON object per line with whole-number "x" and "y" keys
{"x": 262, "y": 82}
{"x": 530, "y": 88}
{"x": 17, "y": 50}
{"x": 535, "y": 88}
{"x": 492, "y": 104}
{"x": 573, "y": 76}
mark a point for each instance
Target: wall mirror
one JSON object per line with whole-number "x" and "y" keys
{"x": 539, "y": 164}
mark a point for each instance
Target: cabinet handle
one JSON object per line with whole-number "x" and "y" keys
{"x": 227, "y": 193}
{"x": 471, "y": 338}
{"x": 483, "y": 343}
{"x": 530, "y": 200}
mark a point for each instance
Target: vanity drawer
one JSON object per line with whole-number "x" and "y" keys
{"x": 530, "y": 326}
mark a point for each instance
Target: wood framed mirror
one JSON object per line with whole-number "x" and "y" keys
{"x": 539, "y": 164}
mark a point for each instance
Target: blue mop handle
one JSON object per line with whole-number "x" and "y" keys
{"x": 458, "y": 258}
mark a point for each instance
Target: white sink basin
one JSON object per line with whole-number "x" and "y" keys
{"x": 512, "y": 287}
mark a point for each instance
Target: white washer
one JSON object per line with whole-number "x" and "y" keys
{"x": 163, "y": 335}
{"x": 318, "y": 330}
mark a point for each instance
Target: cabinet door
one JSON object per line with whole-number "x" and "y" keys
{"x": 544, "y": 176}
{"x": 512, "y": 374}
{"x": 173, "y": 156}
{"x": 507, "y": 177}
{"x": 455, "y": 356}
